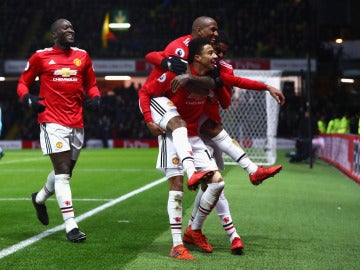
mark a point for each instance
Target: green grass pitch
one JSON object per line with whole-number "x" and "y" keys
{"x": 303, "y": 218}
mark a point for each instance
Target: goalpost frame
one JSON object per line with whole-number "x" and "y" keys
{"x": 252, "y": 118}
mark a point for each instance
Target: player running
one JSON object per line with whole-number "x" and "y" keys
{"x": 66, "y": 77}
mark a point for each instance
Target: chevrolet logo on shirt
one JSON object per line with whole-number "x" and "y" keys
{"x": 65, "y": 72}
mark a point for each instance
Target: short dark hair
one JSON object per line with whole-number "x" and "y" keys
{"x": 222, "y": 38}
{"x": 195, "y": 47}
{"x": 55, "y": 25}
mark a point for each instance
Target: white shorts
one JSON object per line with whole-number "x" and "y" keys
{"x": 55, "y": 138}
{"x": 162, "y": 110}
{"x": 169, "y": 163}
{"x": 217, "y": 152}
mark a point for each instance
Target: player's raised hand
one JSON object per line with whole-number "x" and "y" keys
{"x": 174, "y": 64}
{"x": 276, "y": 94}
{"x": 215, "y": 74}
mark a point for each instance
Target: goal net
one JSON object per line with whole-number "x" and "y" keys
{"x": 252, "y": 118}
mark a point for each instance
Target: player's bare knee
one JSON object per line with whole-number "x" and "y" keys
{"x": 176, "y": 183}
{"x": 175, "y": 122}
{"x": 210, "y": 128}
{"x": 216, "y": 178}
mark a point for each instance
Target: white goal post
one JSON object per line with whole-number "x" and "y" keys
{"x": 252, "y": 118}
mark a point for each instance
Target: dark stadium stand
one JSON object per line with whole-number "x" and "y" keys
{"x": 256, "y": 29}
{"x": 276, "y": 29}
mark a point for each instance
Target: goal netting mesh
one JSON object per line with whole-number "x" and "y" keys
{"x": 252, "y": 118}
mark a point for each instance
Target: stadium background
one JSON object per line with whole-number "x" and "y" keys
{"x": 259, "y": 32}
{"x": 302, "y": 219}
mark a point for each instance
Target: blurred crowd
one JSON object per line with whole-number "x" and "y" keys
{"x": 307, "y": 147}
{"x": 255, "y": 28}
{"x": 327, "y": 118}
{"x": 339, "y": 123}
{"x": 118, "y": 118}
{"x": 277, "y": 29}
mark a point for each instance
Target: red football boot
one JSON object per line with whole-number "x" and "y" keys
{"x": 263, "y": 173}
{"x": 195, "y": 179}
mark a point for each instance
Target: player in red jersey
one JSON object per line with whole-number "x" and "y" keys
{"x": 190, "y": 107}
{"x": 66, "y": 77}
{"x": 202, "y": 26}
{"x": 212, "y": 126}
{"x": 212, "y": 120}
{"x": 222, "y": 205}
{"x": 206, "y": 27}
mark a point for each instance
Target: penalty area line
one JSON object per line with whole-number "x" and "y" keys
{"x": 14, "y": 248}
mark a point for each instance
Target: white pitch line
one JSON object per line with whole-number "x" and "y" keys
{"x": 80, "y": 170}
{"x": 14, "y": 248}
{"x": 5, "y": 162}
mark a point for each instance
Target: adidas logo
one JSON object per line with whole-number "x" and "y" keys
{"x": 52, "y": 62}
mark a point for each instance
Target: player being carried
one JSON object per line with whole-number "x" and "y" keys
{"x": 210, "y": 123}
{"x": 190, "y": 107}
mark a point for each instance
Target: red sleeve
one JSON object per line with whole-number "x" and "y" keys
{"x": 155, "y": 58}
{"x": 144, "y": 104}
{"x": 224, "y": 93}
{"x": 178, "y": 47}
{"x": 90, "y": 85}
{"x": 28, "y": 76}
{"x": 224, "y": 96}
{"x": 154, "y": 88}
{"x": 231, "y": 80}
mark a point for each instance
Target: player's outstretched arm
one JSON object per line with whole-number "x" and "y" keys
{"x": 276, "y": 94}
{"x": 231, "y": 80}
{"x": 172, "y": 63}
{"x": 155, "y": 58}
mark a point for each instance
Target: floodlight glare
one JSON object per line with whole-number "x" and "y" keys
{"x": 119, "y": 25}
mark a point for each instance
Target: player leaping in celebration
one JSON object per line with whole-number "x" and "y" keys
{"x": 212, "y": 126}
{"x": 190, "y": 107}
{"x": 212, "y": 109}
{"x": 206, "y": 27}
{"x": 202, "y": 27}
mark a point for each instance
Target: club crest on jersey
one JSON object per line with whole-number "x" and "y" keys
{"x": 59, "y": 145}
{"x": 162, "y": 78}
{"x": 170, "y": 104}
{"x": 77, "y": 62}
{"x": 175, "y": 161}
{"x": 65, "y": 72}
{"x": 180, "y": 52}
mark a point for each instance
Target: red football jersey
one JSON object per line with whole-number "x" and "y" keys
{"x": 222, "y": 97}
{"x": 232, "y": 80}
{"x": 178, "y": 47}
{"x": 65, "y": 77}
{"x": 190, "y": 106}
